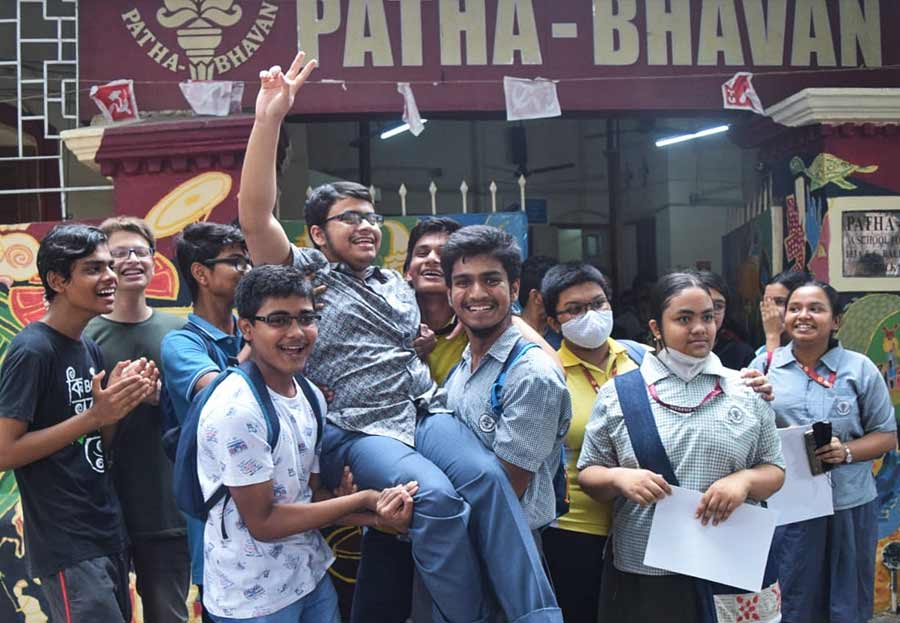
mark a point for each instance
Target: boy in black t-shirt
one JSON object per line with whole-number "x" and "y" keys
{"x": 55, "y": 421}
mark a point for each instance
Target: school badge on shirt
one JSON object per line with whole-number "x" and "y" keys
{"x": 486, "y": 423}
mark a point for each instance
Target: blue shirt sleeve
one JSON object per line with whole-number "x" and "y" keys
{"x": 185, "y": 359}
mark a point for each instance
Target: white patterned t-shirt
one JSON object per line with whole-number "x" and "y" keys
{"x": 243, "y": 577}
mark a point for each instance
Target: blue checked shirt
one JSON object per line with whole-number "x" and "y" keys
{"x": 858, "y": 404}
{"x": 733, "y": 431}
{"x": 364, "y": 350}
{"x": 535, "y": 419}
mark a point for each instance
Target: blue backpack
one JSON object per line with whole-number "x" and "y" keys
{"x": 188, "y": 493}
{"x": 170, "y": 424}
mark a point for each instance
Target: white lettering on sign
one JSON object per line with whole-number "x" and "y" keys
{"x": 663, "y": 24}
{"x": 615, "y": 36}
{"x": 729, "y": 33}
{"x": 719, "y": 34}
{"x": 458, "y": 22}
{"x": 377, "y": 42}
{"x": 516, "y": 30}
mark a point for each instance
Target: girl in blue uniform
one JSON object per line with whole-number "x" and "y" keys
{"x": 827, "y": 565}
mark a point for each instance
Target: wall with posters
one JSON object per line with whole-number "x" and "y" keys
{"x": 21, "y": 302}
{"x": 841, "y": 197}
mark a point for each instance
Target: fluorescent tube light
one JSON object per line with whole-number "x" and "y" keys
{"x": 400, "y": 129}
{"x": 689, "y": 137}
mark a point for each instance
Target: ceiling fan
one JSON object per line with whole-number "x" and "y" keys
{"x": 517, "y": 151}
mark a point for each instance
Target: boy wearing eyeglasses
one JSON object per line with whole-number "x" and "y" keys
{"x": 388, "y": 420}
{"x": 142, "y": 473}
{"x": 211, "y": 258}
{"x": 267, "y": 561}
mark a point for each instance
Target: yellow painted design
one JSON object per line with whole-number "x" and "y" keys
{"x": 398, "y": 236}
{"x": 18, "y": 257}
{"x": 188, "y": 203}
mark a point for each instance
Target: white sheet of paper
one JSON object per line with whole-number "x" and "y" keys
{"x": 530, "y": 99}
{"x": 803, "y": 495}
{"x": 733, "y": 553}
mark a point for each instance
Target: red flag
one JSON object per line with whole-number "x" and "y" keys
{"x": 116, "y": 100}
{"x": 739, "y": 94}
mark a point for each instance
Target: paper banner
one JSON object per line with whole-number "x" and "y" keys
{"x": 739, "y": 94}
{"x": 530, "y": 99}
{"x": 410, "y": 110}
{"x": 116, "y": 100}
{"x": 213, "y": 97}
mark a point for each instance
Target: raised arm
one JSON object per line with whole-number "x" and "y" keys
{"x": 266, "y": 240}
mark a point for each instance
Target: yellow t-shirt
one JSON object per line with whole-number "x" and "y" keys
{"x": 445, "y": 355}
{"x": 585, "y": 514}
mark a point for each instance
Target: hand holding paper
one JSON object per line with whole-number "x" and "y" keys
{"x": 733, "y": 553}
{"x": 722, "y": 498}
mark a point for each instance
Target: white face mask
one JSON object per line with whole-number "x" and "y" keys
{"x": 683, "y": 366}
{"x": 589, "y": 330}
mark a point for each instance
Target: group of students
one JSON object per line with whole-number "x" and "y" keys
{"x": 443, "y": 430}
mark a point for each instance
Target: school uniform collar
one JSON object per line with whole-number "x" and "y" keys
{"x": 499, "y": 350}
{"x": 784, "y": 356}
{"x": 570, "y": 359}
{"x": 212, "y": 331}
{"x": 653, "y": 370}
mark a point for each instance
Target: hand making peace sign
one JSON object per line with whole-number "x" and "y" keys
{"x": 278, "y": 89}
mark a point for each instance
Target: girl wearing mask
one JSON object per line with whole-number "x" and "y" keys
{"x": 827, "y": 565}
{"x": 577, "y": 301}
{"x": 716, "y": 437}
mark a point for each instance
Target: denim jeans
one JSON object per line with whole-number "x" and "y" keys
{"x": 468, "y": 529}
{"x": 319, "y": 606}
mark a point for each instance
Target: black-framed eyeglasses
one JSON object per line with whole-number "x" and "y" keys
{"x": 122, "y": 253}
{"x": 284, "y": 321}
{"x": 238, "y": 262}
{"x": 719, "y": 307}
{"x": 352, "y": 217}
{"x": 577, "y": 309}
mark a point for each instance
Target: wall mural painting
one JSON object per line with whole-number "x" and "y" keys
{"x": 22, "y": 301}
{"x": 871, "y": 325}
{"x": 749, "y": 259}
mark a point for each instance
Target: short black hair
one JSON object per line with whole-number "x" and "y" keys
{"x": 668, "y": 287}
{"x": 476, "y": 240}
{"x": 63, "y": 246}
{"x": 430, "y": 225}
{"x": 564, "y": 276}
{"x": 200, "y": 242}
{"x": 323, "y": 197}
{"x": 790, "y": 279}
{"x": 271, "y": 281}
{"x": 533, "y": 271}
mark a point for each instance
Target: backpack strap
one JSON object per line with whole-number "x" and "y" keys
{"x": 651, "y": 454}
{"x": 641, "y": 425}
{"x": 635, "y": 351}
{"x": 313, "y": 399}
{"x": 211, "y": 349}
{"x": 519, "y": 348}
{"x": 257, "y": 384}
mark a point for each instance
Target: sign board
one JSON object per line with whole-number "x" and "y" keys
{"x": 864, "y": 255}
{"x": 871, "y": 243}
{"x": 605, "y": 54}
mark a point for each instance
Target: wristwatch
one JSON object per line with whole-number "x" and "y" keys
{"x": 848, "y": 456}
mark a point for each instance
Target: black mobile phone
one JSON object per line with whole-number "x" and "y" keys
{"x": 822, "y": 433}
